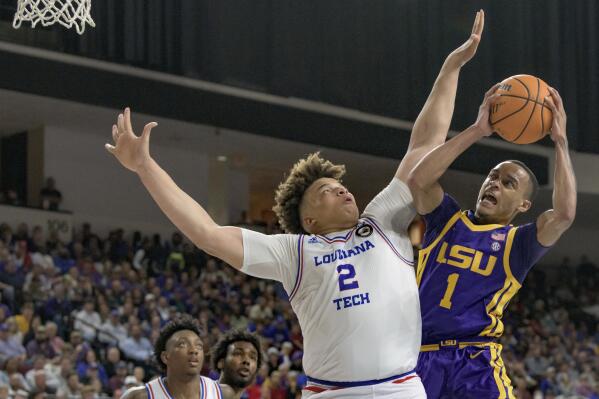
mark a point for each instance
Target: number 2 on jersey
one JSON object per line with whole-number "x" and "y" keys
{"x": 452, "y": 280}
{"x": 347, "y": 272}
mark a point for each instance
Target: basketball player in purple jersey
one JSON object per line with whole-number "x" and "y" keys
{"x": 473, "y": 262}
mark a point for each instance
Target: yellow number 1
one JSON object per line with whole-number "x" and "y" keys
{"x": 452, "y": 280}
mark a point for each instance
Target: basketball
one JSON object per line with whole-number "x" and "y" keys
{"x": 520, "y": 114}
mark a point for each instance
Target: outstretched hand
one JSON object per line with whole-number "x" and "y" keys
{"x": 558, "y": 127}
{"x": 466, "y": 51}
{"x": 131, "y": 150}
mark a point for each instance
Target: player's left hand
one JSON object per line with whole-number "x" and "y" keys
{"x": 558, "y": 127}
{"x": 484, "y": 111}
{"x": 466, "y": 51}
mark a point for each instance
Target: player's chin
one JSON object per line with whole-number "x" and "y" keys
{"x": 243, "y": 380}
{"x": 193, "y": 368}
{"x": 482, "y": 210}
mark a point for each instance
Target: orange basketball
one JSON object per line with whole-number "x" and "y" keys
{"x": 520, "y": 115}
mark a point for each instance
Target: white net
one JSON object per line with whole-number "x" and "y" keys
{"x": 68, "y": 13}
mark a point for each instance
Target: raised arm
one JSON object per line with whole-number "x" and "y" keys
{"x": 423, "y": 180}
{"x": 432, "y": 124}
{"x": 553, "y": 223}
{"x": 133, "y": 152}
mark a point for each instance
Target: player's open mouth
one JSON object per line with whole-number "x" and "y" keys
{"x": 488, "y": 199}
{"x": 244, "y": 372}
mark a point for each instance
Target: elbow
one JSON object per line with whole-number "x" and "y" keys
{"x": 566, "y": 217}
{"x": 414, "y": 182}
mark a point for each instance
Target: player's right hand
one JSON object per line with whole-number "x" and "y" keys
{"x": 131, "y": 150}
{"x": 466, "y": 51}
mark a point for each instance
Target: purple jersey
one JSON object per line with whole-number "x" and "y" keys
{"x": 467, "y": 273}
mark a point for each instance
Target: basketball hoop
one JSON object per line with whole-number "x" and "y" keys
{"x": 68, "y": 13}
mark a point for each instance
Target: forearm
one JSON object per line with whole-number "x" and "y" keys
{"x": 434, "y": 164}
{"x": 435, "y": 118}
{"x": 564, "y": 184}
{"x": 185, "y": 213}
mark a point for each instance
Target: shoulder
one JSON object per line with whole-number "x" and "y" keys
{"x": 135, "y": 393}
{"x": 227, "y": 391}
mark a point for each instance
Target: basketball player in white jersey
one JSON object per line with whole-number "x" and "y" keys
{"x": 350, "y": 278}
{"x": 179, "y": 352}
{"x": 237, "y": 357}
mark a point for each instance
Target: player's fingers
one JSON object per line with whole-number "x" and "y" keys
{"x": 474, "y": 40}
{"x": 110, "y": 148}
{"x": 550, "y": 102}
{"x": 115, "y": 133}
{"x": 475, "y": 24}
{"x": 128, "y": 120}
{"x": 480, "y": 23}
{"x": 148, "y": 129}
{"x": 490, "y": 99}
{"x": 120, "y": 123}
{"x": 493, "y": 89}
{"x": 558, "y": 99}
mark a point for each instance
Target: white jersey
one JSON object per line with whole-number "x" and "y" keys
{"x": 354, "y": 292}
{"x": 209, "y": 389}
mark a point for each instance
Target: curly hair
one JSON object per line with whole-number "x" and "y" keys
{"x": 290, "y": 192}
{"x": 219, "y": 351}
{"x": 183, "y": 322}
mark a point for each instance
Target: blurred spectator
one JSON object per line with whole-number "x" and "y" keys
{"x": 72, "y": 388}
{"x": 9, "y": 347}
{"x": 117, "y": 381}
{"x": 25, "y": 318}
{"x": 41, "y": 344}
{"x": 88, "y": 320}
{"x": 113, "y": 359}
{"x": 50, "y": 197}
{"x": 112, "y": 331}
{"x": 136, "y": 346}
{"x": 274, "y": 387}
{"x": 10, "y": 197}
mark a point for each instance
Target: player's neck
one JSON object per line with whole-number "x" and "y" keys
{"x": 229, "y": 390}
{"x": 482, "y": 219}
{"x": 332, "y": 229}
{"x": 183, "y": 387}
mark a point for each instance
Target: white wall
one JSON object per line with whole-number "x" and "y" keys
{"x": 96, "y": 188}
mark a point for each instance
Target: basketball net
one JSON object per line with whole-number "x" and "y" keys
{"x": 68, "y": 13}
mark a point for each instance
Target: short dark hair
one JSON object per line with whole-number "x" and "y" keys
{"x": 183, "y": 322}
{"x": 219, "y": 351}
{"x": 534, "y": 183}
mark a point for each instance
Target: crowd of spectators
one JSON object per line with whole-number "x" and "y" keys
{"x": 78, "y": 319}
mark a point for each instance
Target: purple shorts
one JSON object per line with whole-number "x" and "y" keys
{"x": 471, "y": 372}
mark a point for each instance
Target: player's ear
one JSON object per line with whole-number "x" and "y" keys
{"x": 220, "y": 365}
{"x": 164, "y": 357}
{"x": 308, "y": 223}
{"x": 524, "y": 206}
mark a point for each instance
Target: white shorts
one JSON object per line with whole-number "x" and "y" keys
{"x": 405, "y": 388}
